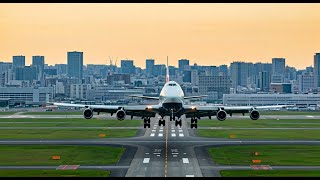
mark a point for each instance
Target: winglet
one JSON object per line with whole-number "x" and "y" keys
{"x": 167, "y": 73}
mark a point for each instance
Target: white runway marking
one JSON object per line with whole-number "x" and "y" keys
{"x": 184, "y": 153}
{"x": 173, "y": 131}
{"x": 161, "y": 130}
{"x": 181, "y": 135}
{"x": 160, "y": 135}
{"x": 174, "y": 155}
{"x": 152, "y": 134}
{"x": 173, "y": 135}
{"x": 310, "y": 116}
{"x": 158, "y": 155}
{"x": 153, "y": 130}
{"x": 146, "y": 160}
{"x": 180, "y": 130}
{"x": 185, "y": 160}
{"x": 147, "y": 153}
{"x": 189, "y": 175}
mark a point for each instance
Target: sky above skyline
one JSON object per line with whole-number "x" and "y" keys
{"x": 206, "y": 34}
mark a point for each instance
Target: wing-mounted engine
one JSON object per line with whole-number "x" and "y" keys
{"x": 254, "y": 114}
{"x": 221, "y": 115}
{"x": 121, "y": 114}
{"x": 88, "y": 113}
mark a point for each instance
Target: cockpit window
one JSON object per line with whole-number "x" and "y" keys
{"x": 172, "y": 84}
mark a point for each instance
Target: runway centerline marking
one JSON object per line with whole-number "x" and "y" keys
{"x": 166, "y": 160}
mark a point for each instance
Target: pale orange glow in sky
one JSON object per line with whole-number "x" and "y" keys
{"x": 208, "y": 34}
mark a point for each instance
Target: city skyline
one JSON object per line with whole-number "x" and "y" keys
{"x": 208, "y": 34}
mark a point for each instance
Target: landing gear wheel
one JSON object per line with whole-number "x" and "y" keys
{"x": 170, "y": 118}
{"x": 194, "y": 121}
{"x": 162, "y": 122}
{"x": 194, "y": 126}
{"x": 145, "y": 125}
{"x": 178, "y": 123}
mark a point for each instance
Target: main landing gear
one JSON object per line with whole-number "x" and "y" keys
{"x": 146, "y": 122}
{"x": 194, "y": 122}
{"x": 178, "y": 122}
{"x": 162, "y": 121}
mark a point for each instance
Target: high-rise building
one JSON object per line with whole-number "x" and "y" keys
{"x": 316, "y": 69}
{"x": 264, "y": 81}
{"x": 278, "y": 70}
{"x": 278, "y": 66}
{"x": 239, "y": 72}
{"x": 183, "y": 64}
{"x": 38, "y": 63}
{"x": 18, "y": 61}
{"x": 27, "y": 73}
{"x": 305, "y": 83}
{"x": 75, "y": 65}
{"x": 61, "y": 69}
{"x": 159, "y": 70}
{"x": 219, "y": 84}
{"x": 149, "y": 66}
{"x": 127, "y": 67}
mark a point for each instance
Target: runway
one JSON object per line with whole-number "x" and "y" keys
{"x": 168, "y": 151}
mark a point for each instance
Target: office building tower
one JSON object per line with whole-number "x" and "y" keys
{"x": 18, "y": 61}
{"x": 127, "y": 67}
{"x": 149, "y": 66}
{"x": 75, "y": 65}
{"x": 316, "y": 69}
{"x": 183, "y": 64}
{"x": 38, "y": 63}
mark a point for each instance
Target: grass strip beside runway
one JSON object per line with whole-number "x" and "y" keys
{"x": 290, "y": 113}
{"x": 65, "y": 122}
{"x": 65, "y": 133}
{"x": 261, "y": 123}
{"x": 37, "y": 155}
{"x": 268, "y": 173}
{"x": 268, "y": 154}
{"x": 260, "y": 134}
{"x": 2, "y": 113}
{"x": 54, "y": 173}
{"x": 54, "y": 113}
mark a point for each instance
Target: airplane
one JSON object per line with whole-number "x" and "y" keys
{"x": 172, "y": 104}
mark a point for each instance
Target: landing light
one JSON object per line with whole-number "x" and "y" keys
{"x": 193, "y": 107}
{"x": 149, "y": 107}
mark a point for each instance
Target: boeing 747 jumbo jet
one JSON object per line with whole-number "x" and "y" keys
{"x": 171, "y": 103}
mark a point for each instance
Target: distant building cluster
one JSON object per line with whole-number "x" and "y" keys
{"x": 240, "y": 83}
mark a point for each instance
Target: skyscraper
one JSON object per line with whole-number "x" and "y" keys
{"x": 127, "y": 67}
{"x": 149, "y": 66}
{"x": 278, "y": 70}
{"x": 182, "y": 64}
{"x": 38, "y": 63}
{"x": 316, "y": 69}
{"x": 75, "y": 65}
{"x": 18, "y": 61}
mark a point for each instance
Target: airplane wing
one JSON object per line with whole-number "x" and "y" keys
{"x": 203, "y": 111}
{"x": 139, "y": 110}
{"x": 145, "y": 97}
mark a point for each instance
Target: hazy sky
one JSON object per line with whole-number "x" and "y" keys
{"x": 207, "y": 34}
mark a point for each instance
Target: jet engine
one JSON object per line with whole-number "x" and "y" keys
{"x": 87, "y": 113}
{"x": 121, "y": 114}
{"x": 254, "y": 115}
{"x": 221, "y": 115}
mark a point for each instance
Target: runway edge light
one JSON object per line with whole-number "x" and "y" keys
{"x": 102, "y": 135}
{"x": 256, "y": 160}
{"x": 231, "y": 135}
{"x": 55, "y": 157}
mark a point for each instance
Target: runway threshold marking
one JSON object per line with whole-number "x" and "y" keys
{"x": 146, "y": 160}
{"x": 185, "y": 160}
{"x": 189, "y": 175}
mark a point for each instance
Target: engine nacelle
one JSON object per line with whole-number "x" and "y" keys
{"x": 88, "y": 113}
{"x": 121, "y": 114}
{"x": 254, "y": 115}
{"x": 221, "y": 115}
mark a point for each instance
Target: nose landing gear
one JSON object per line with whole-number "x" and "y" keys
{"x": 194, "y": 122}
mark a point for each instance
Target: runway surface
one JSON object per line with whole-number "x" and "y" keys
{"x": 168, "y": 151}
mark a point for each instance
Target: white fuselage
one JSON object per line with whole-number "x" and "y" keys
{"x": 171, "y": 96}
